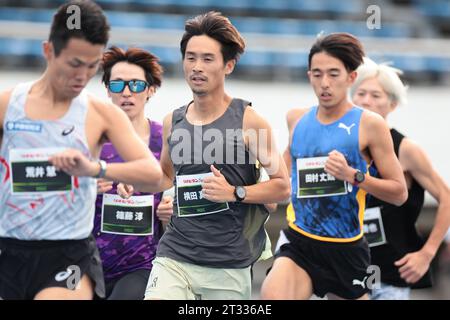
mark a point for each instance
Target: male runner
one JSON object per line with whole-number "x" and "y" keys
{"x": 51, "y": 133}
{"x": 209, "y": 153}
{"x": 330, "y": 146}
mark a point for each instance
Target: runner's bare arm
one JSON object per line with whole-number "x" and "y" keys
{"x": 293, "y": 116}
{"x": 4, "y": 100}
{"x": 287, "y": 160}
{"x": 277, "y": 188}
{"x": 141, "y": 169}
{"x": 415, "y": 161}
{"x": 392, "y": 186}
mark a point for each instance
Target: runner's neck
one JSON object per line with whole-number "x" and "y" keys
{"x": 330, "y": 115}
{"x": 44, "y": 89}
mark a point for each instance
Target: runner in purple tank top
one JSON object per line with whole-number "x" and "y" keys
{"x": 128, "y": 227}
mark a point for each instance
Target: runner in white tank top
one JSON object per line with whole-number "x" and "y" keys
{"x": 51, "y": 133}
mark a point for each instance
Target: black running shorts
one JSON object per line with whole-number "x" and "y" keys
{"x": 27, "y": 267}
{"x": 339, "y": 268}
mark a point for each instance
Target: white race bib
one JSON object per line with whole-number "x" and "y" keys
{"x": 373, "y": 227}
{"x": 32, "y": 173}
{"x": 313, "y": 181}
{"x": 190, "y": 197}
{"x": 133, "y": 216}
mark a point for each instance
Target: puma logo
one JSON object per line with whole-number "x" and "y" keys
{"x": 343, "y": 126}
{"x": 362, "y": 283}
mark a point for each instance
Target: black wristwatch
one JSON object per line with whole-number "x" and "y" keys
{"x": 359, "y": 177}
{"x": 239, "y": 193}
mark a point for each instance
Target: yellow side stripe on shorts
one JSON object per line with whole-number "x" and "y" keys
{"x": 327, "y": 239}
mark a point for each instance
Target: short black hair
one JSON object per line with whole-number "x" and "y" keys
{"x": 215, "y": 25}
{"x": 343, "y": 46}
{"x": 94, "y": 26}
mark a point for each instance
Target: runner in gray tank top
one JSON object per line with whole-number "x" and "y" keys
{"x": 51, "y": 133}
{"x": 209, "y": 153}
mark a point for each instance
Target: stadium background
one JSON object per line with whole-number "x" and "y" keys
{"x": 412, "y": 34}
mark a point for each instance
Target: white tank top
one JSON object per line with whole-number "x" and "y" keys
{"x": 37, "y": 202}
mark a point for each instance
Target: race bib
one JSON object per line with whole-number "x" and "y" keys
{"x": 313, "y": 181}
{"x": 133, "y": 216}
{"x": 32, "y": 173}
{"x": 373, "y": 227}
{"x": 190, "y": 197}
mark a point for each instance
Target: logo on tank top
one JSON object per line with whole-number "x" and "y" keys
{"x": 68, "y": 131}
{"x": 343, "y": 126}
{"x": 23, "y": 126}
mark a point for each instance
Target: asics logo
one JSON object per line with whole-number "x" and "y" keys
{"x": 343, "y": 126}
{"x": 154, "y": 280}
{"x": 68, "y": 131}
{"x": 63, "y": 275}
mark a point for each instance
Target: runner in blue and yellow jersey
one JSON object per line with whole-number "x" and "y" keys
{"x": 330, "y": 146}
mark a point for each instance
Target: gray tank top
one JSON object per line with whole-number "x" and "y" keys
{"x": 201, "y": 232}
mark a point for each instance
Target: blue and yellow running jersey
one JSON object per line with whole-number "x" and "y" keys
{"x": 325, "y": 208}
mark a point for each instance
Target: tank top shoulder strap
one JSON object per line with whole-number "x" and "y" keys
{"x": 397, "y": 138}
{"x": 155, "y": 135}
{"x": 78, "y": 109}
{"x": 234, "y": 115}
{"x": 178, "y": 115}
{"x": 239, "y": 105}
{"x": 16, "y": 105}
{"x": 354, "y": 114}
{"x": 308, "y": 118}
{"x": 310, "y": 115}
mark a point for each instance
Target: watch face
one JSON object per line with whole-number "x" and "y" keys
{"x": 359, "y": 177}
{"x": 240, "y": 191}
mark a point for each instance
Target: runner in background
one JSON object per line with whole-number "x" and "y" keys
{"x": 396, "y": 247}
{"x": 128, "y": 230}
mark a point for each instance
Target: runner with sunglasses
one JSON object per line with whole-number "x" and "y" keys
{"x": 135, "y": 86}
{"x": 127, "y": 232}
{"x": 51, "y": 133}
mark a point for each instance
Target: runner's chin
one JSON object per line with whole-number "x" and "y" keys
{"x": 76, "y": 90}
